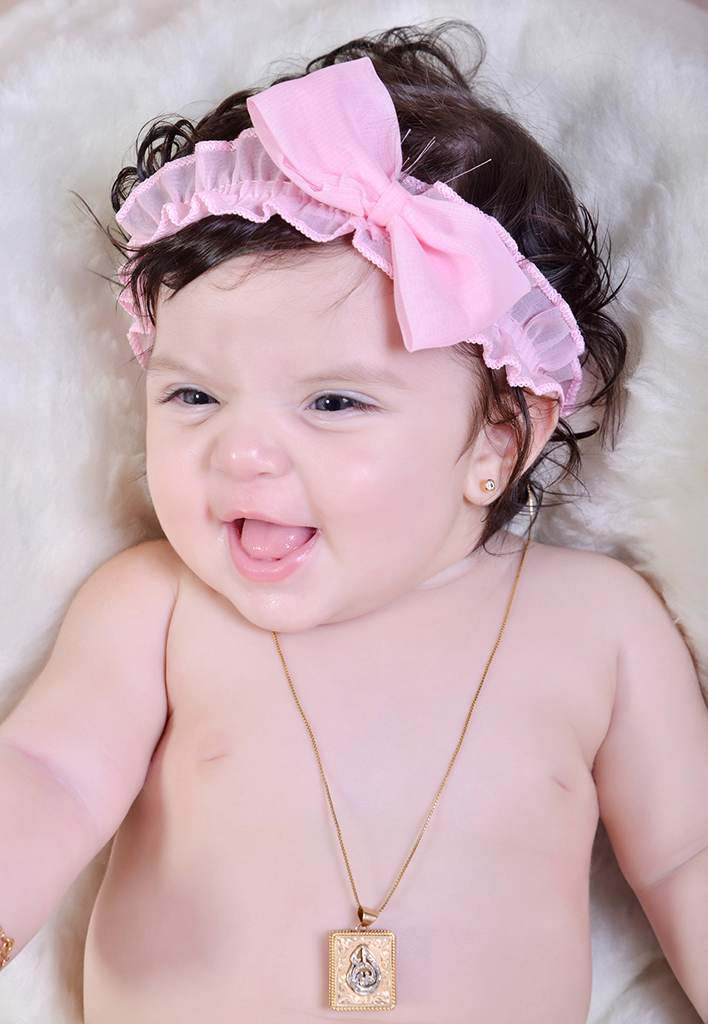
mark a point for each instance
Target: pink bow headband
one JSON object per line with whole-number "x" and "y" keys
{"x": 325, "y": 155}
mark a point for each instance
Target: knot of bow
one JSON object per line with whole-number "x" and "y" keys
{"x": 335, "y": 134}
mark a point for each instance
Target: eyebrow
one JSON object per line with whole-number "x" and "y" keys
{"x": 358, "y": 373}
{"x": 164, "y": 364}
{"x": 354, "y": 372}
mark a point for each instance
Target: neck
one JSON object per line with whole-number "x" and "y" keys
{"x": 501, "y": 544}
{"x": 453, "y": 572}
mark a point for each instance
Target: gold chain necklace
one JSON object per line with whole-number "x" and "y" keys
{"x": 362, "y": 972}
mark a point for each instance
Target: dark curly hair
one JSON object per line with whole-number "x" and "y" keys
{"x": 514, "y": 180}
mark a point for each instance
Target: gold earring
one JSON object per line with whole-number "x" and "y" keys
{"x": 488, "y": 485}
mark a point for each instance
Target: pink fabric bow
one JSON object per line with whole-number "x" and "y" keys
{"x": 452, "y": 275}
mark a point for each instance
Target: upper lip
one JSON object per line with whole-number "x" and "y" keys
{"x": 237, "y": 515}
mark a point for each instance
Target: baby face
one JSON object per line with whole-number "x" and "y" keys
{"x": 302, "y": 462}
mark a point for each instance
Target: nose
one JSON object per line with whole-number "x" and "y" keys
{"x": 245, "y": 452}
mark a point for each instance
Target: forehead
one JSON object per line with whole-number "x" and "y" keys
{"x": 280, "y": 298}
{"x": 323, "y": 316}
{"x": 312, "y": 281}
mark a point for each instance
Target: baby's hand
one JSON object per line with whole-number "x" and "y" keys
{"x": 75, "y": 752}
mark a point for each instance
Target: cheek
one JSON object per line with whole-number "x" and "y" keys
{"x": 172, "y": 477}
{"x": 408, "y": 486}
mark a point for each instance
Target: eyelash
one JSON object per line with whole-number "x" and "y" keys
{"x": 353, "y": 403}
{"x": 181, "y": 392}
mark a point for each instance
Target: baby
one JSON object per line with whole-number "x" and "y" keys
{"x": 354, "y": 735}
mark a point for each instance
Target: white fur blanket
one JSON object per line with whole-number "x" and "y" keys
{"x": 617, "y": 90}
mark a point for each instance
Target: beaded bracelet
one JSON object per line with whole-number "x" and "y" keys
{"x": 6, "y": 944}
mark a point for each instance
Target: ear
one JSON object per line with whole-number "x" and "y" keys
{"x": 492, "y": 456}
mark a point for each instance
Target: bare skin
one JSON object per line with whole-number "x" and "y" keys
{"x": 165, "y": 693}
{"x": 493, "y": 912}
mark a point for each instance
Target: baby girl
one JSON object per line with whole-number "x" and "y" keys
{"x": 352, "y": 734}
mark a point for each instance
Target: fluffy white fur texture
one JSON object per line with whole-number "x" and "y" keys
{"x": 616, "y": 90}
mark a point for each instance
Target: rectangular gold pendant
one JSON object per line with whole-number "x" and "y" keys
{"x": 362, "y": 970}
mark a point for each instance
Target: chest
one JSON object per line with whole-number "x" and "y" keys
{"x": 238, "y": 750}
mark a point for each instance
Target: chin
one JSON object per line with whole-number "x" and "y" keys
{"x": 285, "y": 614}
{"x": 303, "y": 608}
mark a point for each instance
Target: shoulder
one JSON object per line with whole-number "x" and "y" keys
{"x": 152, "y": 561}
{"x": 592, "y": 578}
{"x": 136, "y": 576}
{"x": 133, "y": 594}
{"x": 619, "y": 606}
{"x": 604, "y": 599}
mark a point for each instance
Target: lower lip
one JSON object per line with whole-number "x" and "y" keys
{"x": 263, "y": 570}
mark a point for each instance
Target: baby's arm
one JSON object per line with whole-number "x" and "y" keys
{"x": 652, "y": 779}
{"x": 74, "y": 753}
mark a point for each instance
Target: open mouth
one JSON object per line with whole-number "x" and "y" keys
{"x": 269, "y": 551}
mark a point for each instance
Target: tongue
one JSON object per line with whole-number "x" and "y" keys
{"x": 269, "y": 540}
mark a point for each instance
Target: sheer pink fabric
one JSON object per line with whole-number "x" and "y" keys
{"x": 325, "y": 155}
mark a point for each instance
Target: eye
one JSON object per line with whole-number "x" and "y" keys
{"x": 190, "y": 396}
{"x": 338, "y": 403}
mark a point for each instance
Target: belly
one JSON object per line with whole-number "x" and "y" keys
{"x": 226, "y": 878}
